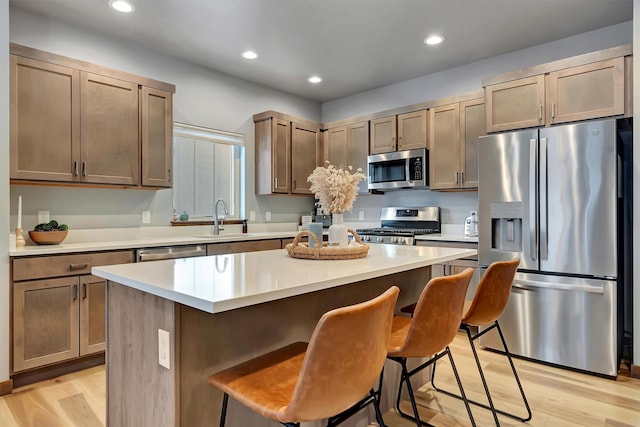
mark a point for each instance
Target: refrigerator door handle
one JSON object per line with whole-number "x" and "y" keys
{"x": 533, "y": 191}
{"x": 533, "y": 285}
{"x": 544, "y": 226}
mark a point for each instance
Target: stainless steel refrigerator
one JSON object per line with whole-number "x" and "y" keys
{"x": 551, "y": 196}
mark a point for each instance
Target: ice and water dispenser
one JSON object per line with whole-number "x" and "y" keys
{"x": 506, "y": 226}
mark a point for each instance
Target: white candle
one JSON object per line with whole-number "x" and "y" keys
{"x": 19, "y": 212}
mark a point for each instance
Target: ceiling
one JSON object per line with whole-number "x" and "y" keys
{"x": 354, "y": 45}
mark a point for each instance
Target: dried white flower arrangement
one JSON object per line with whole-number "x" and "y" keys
{"x": 336, "y": 189}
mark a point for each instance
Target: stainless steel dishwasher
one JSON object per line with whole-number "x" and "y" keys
{"x": 170, "y": 252}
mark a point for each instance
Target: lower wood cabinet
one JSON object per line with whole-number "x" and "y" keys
{"x": 57, "y": 319}
{"x": 247, "y": 246}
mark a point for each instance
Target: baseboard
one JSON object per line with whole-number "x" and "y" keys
{"x": 29, "y": 377}
{"x": 6, "y": 387}
{"x": 635, "y": 371}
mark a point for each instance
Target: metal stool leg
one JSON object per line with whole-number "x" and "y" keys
{"x": 515, "y": 374}
{"x": 464, "y": 397}
{"x": 223, "y": 414}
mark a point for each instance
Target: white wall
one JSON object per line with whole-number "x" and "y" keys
{"x": 4, "y": 190}
{"x": 203, "y": 97}
{"x": 468, "y": 77}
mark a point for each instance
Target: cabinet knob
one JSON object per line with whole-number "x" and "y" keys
{"x": 75, "y": 168}
{"x": 84, "y": 291}
{"x": 78, "y": 266}
{"x": 75, "y": 292}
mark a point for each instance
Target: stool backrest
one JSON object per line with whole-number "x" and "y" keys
{"x": 492, "y": 294}
{"x": 344, "y": 358}
{"x": 436, "y": 318}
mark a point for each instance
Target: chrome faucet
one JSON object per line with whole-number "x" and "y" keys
{"x": 216, "y": 224}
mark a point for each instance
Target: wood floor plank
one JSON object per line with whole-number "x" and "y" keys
{"x": 79, "y": 411}
{"x": 558, "y": 397}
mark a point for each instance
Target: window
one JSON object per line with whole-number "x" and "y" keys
{"x": 208, "y": 164}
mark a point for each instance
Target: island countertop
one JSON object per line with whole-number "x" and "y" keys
{"x": 225, "y": 282}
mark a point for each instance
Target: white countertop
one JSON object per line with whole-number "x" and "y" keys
{"x": 145, "y": 237}
{"x": 225, "y": 282}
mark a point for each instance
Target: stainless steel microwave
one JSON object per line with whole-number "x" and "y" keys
{"x": 400, "y": 169}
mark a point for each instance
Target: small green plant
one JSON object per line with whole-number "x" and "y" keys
{"x": 51, "y": 226}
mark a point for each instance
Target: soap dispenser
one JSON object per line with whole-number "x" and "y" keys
{"x": 471, "y": 225}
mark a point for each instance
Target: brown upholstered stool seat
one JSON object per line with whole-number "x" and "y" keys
{"x": 331, "y": 377}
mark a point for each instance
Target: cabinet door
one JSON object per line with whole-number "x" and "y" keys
{"x": 358, "y": 140}
{"x": 515, "y": 105}
{"x": 281, "y": 155}
{"x": 383, "y": 135}
{"x": 472, "y": 125}
{"x": 336, "y": 148}
{"x": 156, "y": 118}
{"x": 45, "y": 322}
{"x": 586, "y": 92}
{"x": 44, "y": 120}
{"x": 305, "y": 156}
{"x": 444, "y": 150}
{"x": 109, "y": 134}
{"x": 92, "y": 314}
{"x": 412, "y": 130}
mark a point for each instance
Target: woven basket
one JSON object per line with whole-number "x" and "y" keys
{"x": 297, "y": 249}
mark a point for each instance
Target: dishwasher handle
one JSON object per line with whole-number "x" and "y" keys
{"x": 174, "y": 252}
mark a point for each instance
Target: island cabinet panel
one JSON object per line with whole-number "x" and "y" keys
{"x": 515, "y": 104}
{"x": 383, "y": 135}
{"x": 156, "y": 116}
{"x": 412, "y": 130}
{"x": 586, "y": 92}
{"x": 306, "y": 154}
{"x": 44, "y": 130}
{"x": 45, "y": 322}
{"x": 109, "y": 131}
{"x": 76, "y": 123}
{"x": 58, "y": 308}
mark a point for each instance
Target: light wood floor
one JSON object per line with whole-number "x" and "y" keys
{"x": 557, "y": 397}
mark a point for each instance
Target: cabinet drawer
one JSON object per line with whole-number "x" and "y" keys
{"x": 239, "y": 247}
{"x": 66, "y": 265}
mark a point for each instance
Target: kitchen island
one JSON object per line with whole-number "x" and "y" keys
{"x": 221, "y": 310}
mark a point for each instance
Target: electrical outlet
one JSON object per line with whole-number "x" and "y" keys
{"x": 146, "y": 217}
{"x": 267, "y": 216}
{"x": 361, "y": 215}
{"x": 164, "y": 348}
{"x": 252, "y": 215}
{"x": 43, "y": 216}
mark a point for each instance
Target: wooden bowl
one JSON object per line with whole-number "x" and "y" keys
{"x": 48, "y": 237}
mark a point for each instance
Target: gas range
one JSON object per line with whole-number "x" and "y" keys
{"x": 401, "y": 224}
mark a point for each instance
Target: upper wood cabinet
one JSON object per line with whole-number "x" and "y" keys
{"x": 412, "y": 130}
{"x": 108, "y": 131}
{"x": 453, "y": 152}
{"x": 383, "y": 135}
{"x": 286, "y": 154}
{"x": 156, "y": 136}
{"x": 516, "y": 104}
{"x": 586, "y": 92}
{"x": 348, "y": 145}
{"x": 306, "y": 154}
{"x": 582, "y": 92}
{"x": 402, "y": 132}
{"x": 78, "y": 123}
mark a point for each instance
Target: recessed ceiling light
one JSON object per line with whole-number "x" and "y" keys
{"x": 434, "y": 39}
{"x": 121, "y": 6}
{"x": 249, "y": 54}
{"x": 314, "y": 79}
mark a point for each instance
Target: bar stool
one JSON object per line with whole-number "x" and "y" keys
{"x": 429, "y": 332}
{"x": 488, "y": 303}
{"x": 330, "y": 377}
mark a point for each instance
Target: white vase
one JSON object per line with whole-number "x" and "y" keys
{"x": 338, "y": 234}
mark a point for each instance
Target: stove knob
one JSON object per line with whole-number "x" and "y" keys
{"x": 363, "y": 238}
{"x": 379, "y": 239}
{"x": 393, "y": 239}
